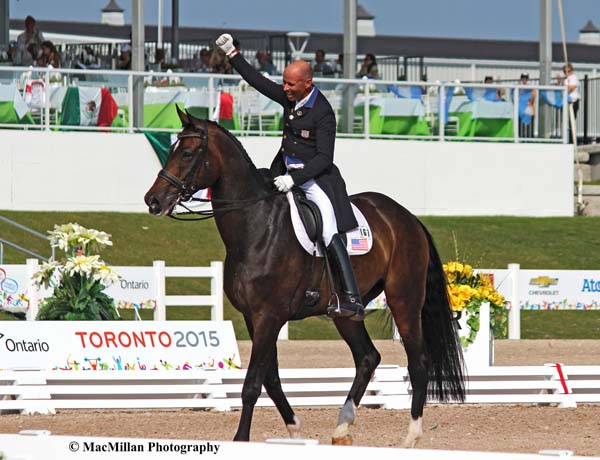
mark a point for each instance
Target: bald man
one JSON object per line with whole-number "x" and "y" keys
{"x": 305, "y": 159}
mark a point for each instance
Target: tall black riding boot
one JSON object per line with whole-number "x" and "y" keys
{"x": 349, "y": 304}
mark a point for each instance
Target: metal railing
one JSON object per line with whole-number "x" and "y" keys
{"x": 20, "y": 248}
{"x": 251, "y": 110}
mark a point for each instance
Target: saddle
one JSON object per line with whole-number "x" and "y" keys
{"x": 310, "y": 215}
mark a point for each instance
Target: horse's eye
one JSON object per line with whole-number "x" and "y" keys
{"x": 187, "y": 155}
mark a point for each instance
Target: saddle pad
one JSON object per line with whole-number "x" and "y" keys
{"x": 359, "y": 239}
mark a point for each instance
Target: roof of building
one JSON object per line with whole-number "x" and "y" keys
{"x": 380, "y": 45}
{"x": 589, "y": 28}
{"x": 112, "y": 7}
{"x": 362, "y": 13}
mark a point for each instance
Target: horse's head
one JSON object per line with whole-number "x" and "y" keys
{"x": 190, "y": 167}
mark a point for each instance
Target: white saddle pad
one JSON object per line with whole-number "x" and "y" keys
{"x": 359, "y": 239}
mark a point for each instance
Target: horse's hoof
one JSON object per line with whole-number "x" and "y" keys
{"x": 410, "y": 443}
{"x": 342, "y": 441}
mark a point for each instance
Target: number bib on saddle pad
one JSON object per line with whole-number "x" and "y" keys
{"x": 359, "y": 239}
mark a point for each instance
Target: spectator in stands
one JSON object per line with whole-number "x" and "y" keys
{"x": 50, "y": 55}
{"x": 13, "y": 49}
{"x": 202, "y": 64}
{"x": 488, "y": 80}
{"x": 29, "y": 43}
{"x": 320, "y": 65}
{"x": 526, "y": 107}
{"x": 124, "y": 61}
{"x": 369, "y": 67}
{"x": 339, "y": 66}
{"x": 218, "y": 63}
{"x": 87, "y": 59}
{"x": 570, "y": 80}
{"x": 264, "y": 63}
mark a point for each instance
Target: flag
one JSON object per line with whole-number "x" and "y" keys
{"x": 359, "y": 244}
{"x": 448, "y": 95}
{"x": 524, "y": 110}
{"x": 88, "y": 107}
{"x": 478, "y": 94}
{"x": 553, "y": 97}
{"x": 406, "y": 92}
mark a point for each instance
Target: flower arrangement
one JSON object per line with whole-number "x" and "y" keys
{"x": 467, "y": 290}
{"x": 79, "y": 278}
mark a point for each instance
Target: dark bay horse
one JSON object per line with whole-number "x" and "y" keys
{"x": 267, "y": 272}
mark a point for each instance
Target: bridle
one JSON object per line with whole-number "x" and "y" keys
{"x": 187, "y": 188}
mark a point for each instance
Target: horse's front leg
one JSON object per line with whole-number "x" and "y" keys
{"x": 264, "y": 340}
{"x": 272, "y": 384}
{"x": 366, "y": 359}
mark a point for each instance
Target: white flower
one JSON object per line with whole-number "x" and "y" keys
{"x": 106, "y": 275}
{"x": 87, "y": 236}
{"x": 82, "y": 265}
{"x": 65, "y": 236}
{"x": 43, "y": 275}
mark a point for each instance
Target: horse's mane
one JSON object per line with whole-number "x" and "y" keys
{"x": 261, "y": 176}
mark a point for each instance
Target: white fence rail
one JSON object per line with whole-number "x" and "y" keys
{"x": 257, "y": 115}
{"x": 142, "y": 288}
{"x": 47, "y": 391}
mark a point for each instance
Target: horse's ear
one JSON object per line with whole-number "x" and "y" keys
{"x": 183, "y": 116}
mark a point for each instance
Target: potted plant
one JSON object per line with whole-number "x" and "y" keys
{"x": 467, "y": 290}
{"x": 78, "y": 278}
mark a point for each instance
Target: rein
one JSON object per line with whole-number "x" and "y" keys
{"x": 187, "y": 188}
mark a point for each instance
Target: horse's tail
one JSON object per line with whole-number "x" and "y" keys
{"x": 446, "y": 365}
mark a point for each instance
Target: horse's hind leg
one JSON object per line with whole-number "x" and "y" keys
{"x": 408, "y": 321}
{"x": 366, "y": 360}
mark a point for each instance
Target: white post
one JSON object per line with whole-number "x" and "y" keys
{"x": 160, "y": 313}
{"x": 47, "y": 100}
{"x": 216, "y": 287}
{"x": 159, "y": 40}
{"x": 565, "y": 117}
{"x": 130, "y": 101}
{"x": 486, "y": 334}
{"x": 514, "y": 314}
{"x": 367, "y": 111}
{"x": 442, "y": 111}
{"x": 516, "y": 114}
{"x": 284, "y": 333}
{"x": 32, "y": 290}
{"x": 211, "y": 100}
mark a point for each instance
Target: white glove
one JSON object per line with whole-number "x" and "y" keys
{"x": 225, "y": 42}
{"x": 284, "y": 183}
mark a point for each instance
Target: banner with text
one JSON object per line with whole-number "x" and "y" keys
{"x": 136, "y": 289}
{"x": 118, "y": 345}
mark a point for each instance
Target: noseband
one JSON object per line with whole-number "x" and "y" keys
{"x": 186, "y": 186}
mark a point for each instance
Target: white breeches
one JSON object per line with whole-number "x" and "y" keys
{"x": 315, "y": 193}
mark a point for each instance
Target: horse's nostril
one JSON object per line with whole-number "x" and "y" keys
{"x": 154, "y": 206}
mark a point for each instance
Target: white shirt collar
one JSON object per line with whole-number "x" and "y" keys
{"x": 303, "y": 101}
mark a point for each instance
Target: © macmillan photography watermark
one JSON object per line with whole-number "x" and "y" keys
{"x": 146, "y": 446}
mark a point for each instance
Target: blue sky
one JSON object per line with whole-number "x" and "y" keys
{"x": 486, "y": 19}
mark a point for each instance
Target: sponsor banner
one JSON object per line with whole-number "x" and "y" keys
{"x": 118, "y": 345}
{"x": 137, "y": 289}
{"x": 559, "y": 289}
{"x": 14, "y": 285}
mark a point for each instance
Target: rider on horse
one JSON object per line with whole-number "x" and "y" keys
{"x": 305, "y": 159}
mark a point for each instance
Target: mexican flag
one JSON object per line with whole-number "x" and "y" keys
{"x": 88, "y": 107}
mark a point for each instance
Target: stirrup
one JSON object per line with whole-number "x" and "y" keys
{"x": 351, "y": 309}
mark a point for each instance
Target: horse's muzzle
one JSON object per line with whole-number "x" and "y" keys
{"x": 154, "y": 206}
